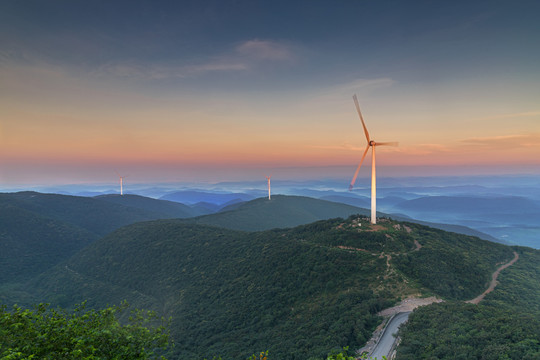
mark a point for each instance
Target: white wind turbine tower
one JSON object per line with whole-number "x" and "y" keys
{"x": 121, "y": 183}
{"x": 268, "y": 178}
{"x": 373, "y": 145}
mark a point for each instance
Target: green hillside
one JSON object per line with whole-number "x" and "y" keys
{"x": 280, "y": 212}
{"x": 97, "y": 216}
{"x": 31, "y": 243}
{"x": 460, "y": 229}
{"x": 38, "y": 231}
{"x": 296, "y": 292}
{"x": 163, "y": 209}
{"x": 289, "y": 211}
{"x": 506, "y": 325}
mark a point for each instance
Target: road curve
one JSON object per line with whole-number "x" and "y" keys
{"x": 387, "y": 340}
{"x": 384, "y": 346}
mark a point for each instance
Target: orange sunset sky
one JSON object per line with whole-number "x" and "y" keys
{"x": 223, "y": 90}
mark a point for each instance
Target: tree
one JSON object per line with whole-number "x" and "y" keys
{"x": 45, "y": 333}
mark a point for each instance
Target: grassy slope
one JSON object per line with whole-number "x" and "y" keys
{"x": 296, "y": 292}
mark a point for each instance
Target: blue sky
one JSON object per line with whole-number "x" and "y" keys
{"x": 240, "y": 87}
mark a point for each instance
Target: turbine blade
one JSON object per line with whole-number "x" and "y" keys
{"x": 358, "y": 169}
{"x": 388, "y": 143}
{"x": 361, "y": 118}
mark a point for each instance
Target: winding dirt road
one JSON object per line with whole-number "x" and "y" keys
{"x": 493, "y": 283}
{"x": 383, "y": 343}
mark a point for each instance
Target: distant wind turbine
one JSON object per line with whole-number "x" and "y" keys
{"x": 268, "y": 178}
{"x": 372, "y": 144}
{"x": 121, "y": 183}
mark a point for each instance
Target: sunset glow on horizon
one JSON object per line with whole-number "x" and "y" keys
{"x": 165, "y": 90}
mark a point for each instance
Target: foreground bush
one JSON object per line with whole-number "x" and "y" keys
{"x": 45, "y": 333}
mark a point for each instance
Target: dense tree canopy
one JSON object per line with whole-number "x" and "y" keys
{"x": 297, "y": 292}
{"x": 46, "y": 333}
{"x": 466, "y": 331}
{"x": 506, "y": 325}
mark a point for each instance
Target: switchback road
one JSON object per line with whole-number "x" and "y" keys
{"x": 387, "y": 340}
{"x": 494, "y": 277}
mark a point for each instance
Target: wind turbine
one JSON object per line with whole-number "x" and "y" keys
{"x": 268, "y": 178}
{"x": 121, "y": 183}
{"x": 373, "y": 145}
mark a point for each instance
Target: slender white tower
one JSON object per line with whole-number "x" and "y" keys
{"x": 268, "y": 178}
{"x": 371, "y": 144}
{"x": 121, "y": 183}
{"x": 373, "y": 187}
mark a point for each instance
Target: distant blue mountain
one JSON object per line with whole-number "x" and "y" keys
{"x": 470, "y": 204}
{"x": 513, "y": 219}
{"x": 206, "y": 208}
{"x": 363, "y": 202}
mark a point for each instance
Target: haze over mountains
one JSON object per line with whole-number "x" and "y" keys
{"x": 238, "y": 273}
{"x": 505, "y": 207}
{"x": 40, "y": 230}
{"x": 56, "y": 226}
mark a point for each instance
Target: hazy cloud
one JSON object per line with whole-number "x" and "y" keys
{"x": 349, "y": 147}
{"x": 215, "y": 66}
{"x": 157, "y": 72}
{"x": 360, "y": 84}
{"x": 506, "y": 141}
{"x": 424, "y": 149}
{"x": 123, "y": 70}
{"x": 245, "y": 56}
{"x": 524, "y": 114}
{"x": 265, "y": 50}
{"x": 334, "y": 96}
{"x": 344, "y": 146}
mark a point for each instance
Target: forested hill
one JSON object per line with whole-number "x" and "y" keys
{"x": 280, "y": 212}
{"x": 506, "y": 325}
{"x": 38, "y": 231}
{"x": 97, "y": 215}
{"x": 163, "y": 209}
{"x": 284, "y": 211}
{"x": 296, "y": 292}
{"x": 31, "y": 243}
